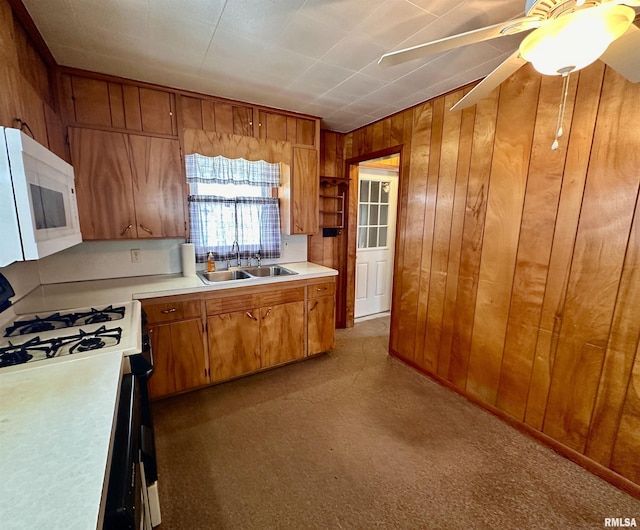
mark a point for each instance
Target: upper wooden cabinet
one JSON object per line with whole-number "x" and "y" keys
{"x": 304, "y": 191}
{"x": 128, "y": 186}
{"x": 95, "y": 102}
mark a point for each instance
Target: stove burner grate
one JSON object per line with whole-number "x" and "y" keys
{"x": 36, "y": 349}
{"x": 57, "y": 320}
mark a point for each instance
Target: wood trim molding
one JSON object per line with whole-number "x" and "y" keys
{"x": 601, "y": 471}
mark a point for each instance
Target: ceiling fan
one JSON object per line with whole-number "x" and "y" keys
{"x": 567, "y": 36}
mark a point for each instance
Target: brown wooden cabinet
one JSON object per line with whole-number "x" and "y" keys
{"x": 321, "y": 304}
{"x": 128, "y": 186}
{"x": 89, "y": 101}
{"x": 303, "y": 194}
{"x": 177, "y": 342}
{"x": 253, "y": 331}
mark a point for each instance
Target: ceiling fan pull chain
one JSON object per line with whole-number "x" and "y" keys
{"x": 561, "y": 110}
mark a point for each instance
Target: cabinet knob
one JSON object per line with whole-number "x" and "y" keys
{"x": 314, "y": 306}
{"x": 267, "y": 313}
{"x": 146, "y": 229}
{"x": 126, "y": 229}
{"x": 167, "y": 311}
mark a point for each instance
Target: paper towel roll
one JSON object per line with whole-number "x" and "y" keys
{"x": 188, "y": 258}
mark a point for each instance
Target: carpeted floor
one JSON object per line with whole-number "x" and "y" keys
{"x": 355, "y": 439}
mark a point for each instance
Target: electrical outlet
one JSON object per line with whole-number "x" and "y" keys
{"x": 136, "y": 256}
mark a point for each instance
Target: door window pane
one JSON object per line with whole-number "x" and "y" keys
{"x": 382, "y": 241}
{"x": 375, "y": 191}
{"x": 362, "y": 237}
{"x": 364, "y": 191}
{"x": 373, "y": 237}
{"x": 384, "y": 214}
{"x": 384, "y": 195}
{"x": 364, "y": 215}
{"x": 373, "y": 211}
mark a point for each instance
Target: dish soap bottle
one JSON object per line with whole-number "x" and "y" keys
{"x": 211, "y": 264}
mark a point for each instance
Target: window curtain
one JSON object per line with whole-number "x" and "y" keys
{"x": 220, "y": 170}
{"x": 217, "y": 222}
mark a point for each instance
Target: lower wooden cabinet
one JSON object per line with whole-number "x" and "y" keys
{"x": 179, "y": 357}
{"x": 234, "y": 344}
{"x": 282, "y": 333}
{"x": 320, "y": 324}
{"x": 247, "y": 331}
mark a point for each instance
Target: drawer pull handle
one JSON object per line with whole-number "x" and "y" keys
{"x": 321, "y": 289}
{"x": 267, "y": 313}
{"x": 314, "y": 306}
{"x": 251, "y": 316}
{"x": 126, "y": 229}
{"x": 167, "y": 311}
{"x": 146, "y": 229}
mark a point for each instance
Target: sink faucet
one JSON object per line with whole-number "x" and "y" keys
{"x": 258, "y": 258}
{"x": 236, "y": 247}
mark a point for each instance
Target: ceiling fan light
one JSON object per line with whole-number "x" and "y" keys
{"x": 575, "y": 40}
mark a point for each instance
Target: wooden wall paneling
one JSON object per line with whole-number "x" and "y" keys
{"x": 65, "y": 98}
{"x": 328, "y": 142}
{"x": 378, "y": 136}
{"x": 472, "y": 237}
{"x": 578, "y": 151}
{"x": 348, "y": 286}
{"x": 455, "y": 244}
{"x": 8, "y": 49}
{"x": 224, "y": 118}
{"x": 132, "y": 109}
{"x": 55, "y": 133}
{"x": 386, "y": 132}
{"x": 116, "y": 105}
{"x": 510, "y": 164}
{"x": 31, "y": 111}
{"x": 413, "y": 229}
{"x": 10, "y": 103}
{"x": 621, "y": 348}
{"x": 603, "y": 231}
{"x": 534, "y": 249}
{"x": 292, "y": 130}
{"x": 208, "y": 115}
{"x": 402, "y": 124}
{"x": 192, "y": 113}
{"x": 32, "y": 66}
{"x": 422, "y": 357}
{"x": 91, "y": 101}
{"x": 625, "y": 459}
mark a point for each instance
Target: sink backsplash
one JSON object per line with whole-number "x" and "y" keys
{"x": 95, "y": 260}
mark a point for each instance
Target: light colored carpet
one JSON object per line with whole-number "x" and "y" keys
{"x": 355, "y": 439}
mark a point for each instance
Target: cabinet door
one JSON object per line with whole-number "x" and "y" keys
{"x": 103, "y": 184}
{"x": 305, "y": 191}
{"x": 234, "y": 344}
{"x": 158, "y": 187}
{"x": 178, "y": 357}
{"x": 320, "y": 324}
{"x": 282, "y": 333}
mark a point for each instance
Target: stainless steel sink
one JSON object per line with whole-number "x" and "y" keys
{"x": 223, "y": 276}
{"x": 270, "y": 270}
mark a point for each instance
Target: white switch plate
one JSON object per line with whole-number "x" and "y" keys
{"x": 136, "y": 256}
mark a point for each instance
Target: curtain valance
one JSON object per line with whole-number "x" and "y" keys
{"x": 220, "y": 170}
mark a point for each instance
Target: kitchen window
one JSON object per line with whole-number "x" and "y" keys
{"x": 230, "y": 201}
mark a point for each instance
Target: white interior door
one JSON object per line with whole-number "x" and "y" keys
{"x": 377, "y": 203}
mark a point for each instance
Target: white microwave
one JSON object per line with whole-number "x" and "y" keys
{"x": 38, "y": 206}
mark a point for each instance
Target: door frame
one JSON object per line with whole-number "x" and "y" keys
{"x": 347, "y": 281}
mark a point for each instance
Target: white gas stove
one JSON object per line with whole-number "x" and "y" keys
{"x": 48, "y": 336}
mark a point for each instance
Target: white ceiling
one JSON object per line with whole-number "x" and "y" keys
{"x": 317, "y": 57}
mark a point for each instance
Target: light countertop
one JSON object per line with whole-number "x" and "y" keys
{"x": 57, "y": 296}
{"x": 56, "y": 422}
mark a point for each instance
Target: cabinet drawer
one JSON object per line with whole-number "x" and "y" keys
{"x": 321, "y": 289}
{"x": 284, "y": 296}
{"x": 231, "y": 304}
{"x": 169, "y": 311}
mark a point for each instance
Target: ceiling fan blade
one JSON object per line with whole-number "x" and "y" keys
{"x": 510, "y": 27}
{"x": 621, "y": 55}
{"x": 495, "y": 78}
